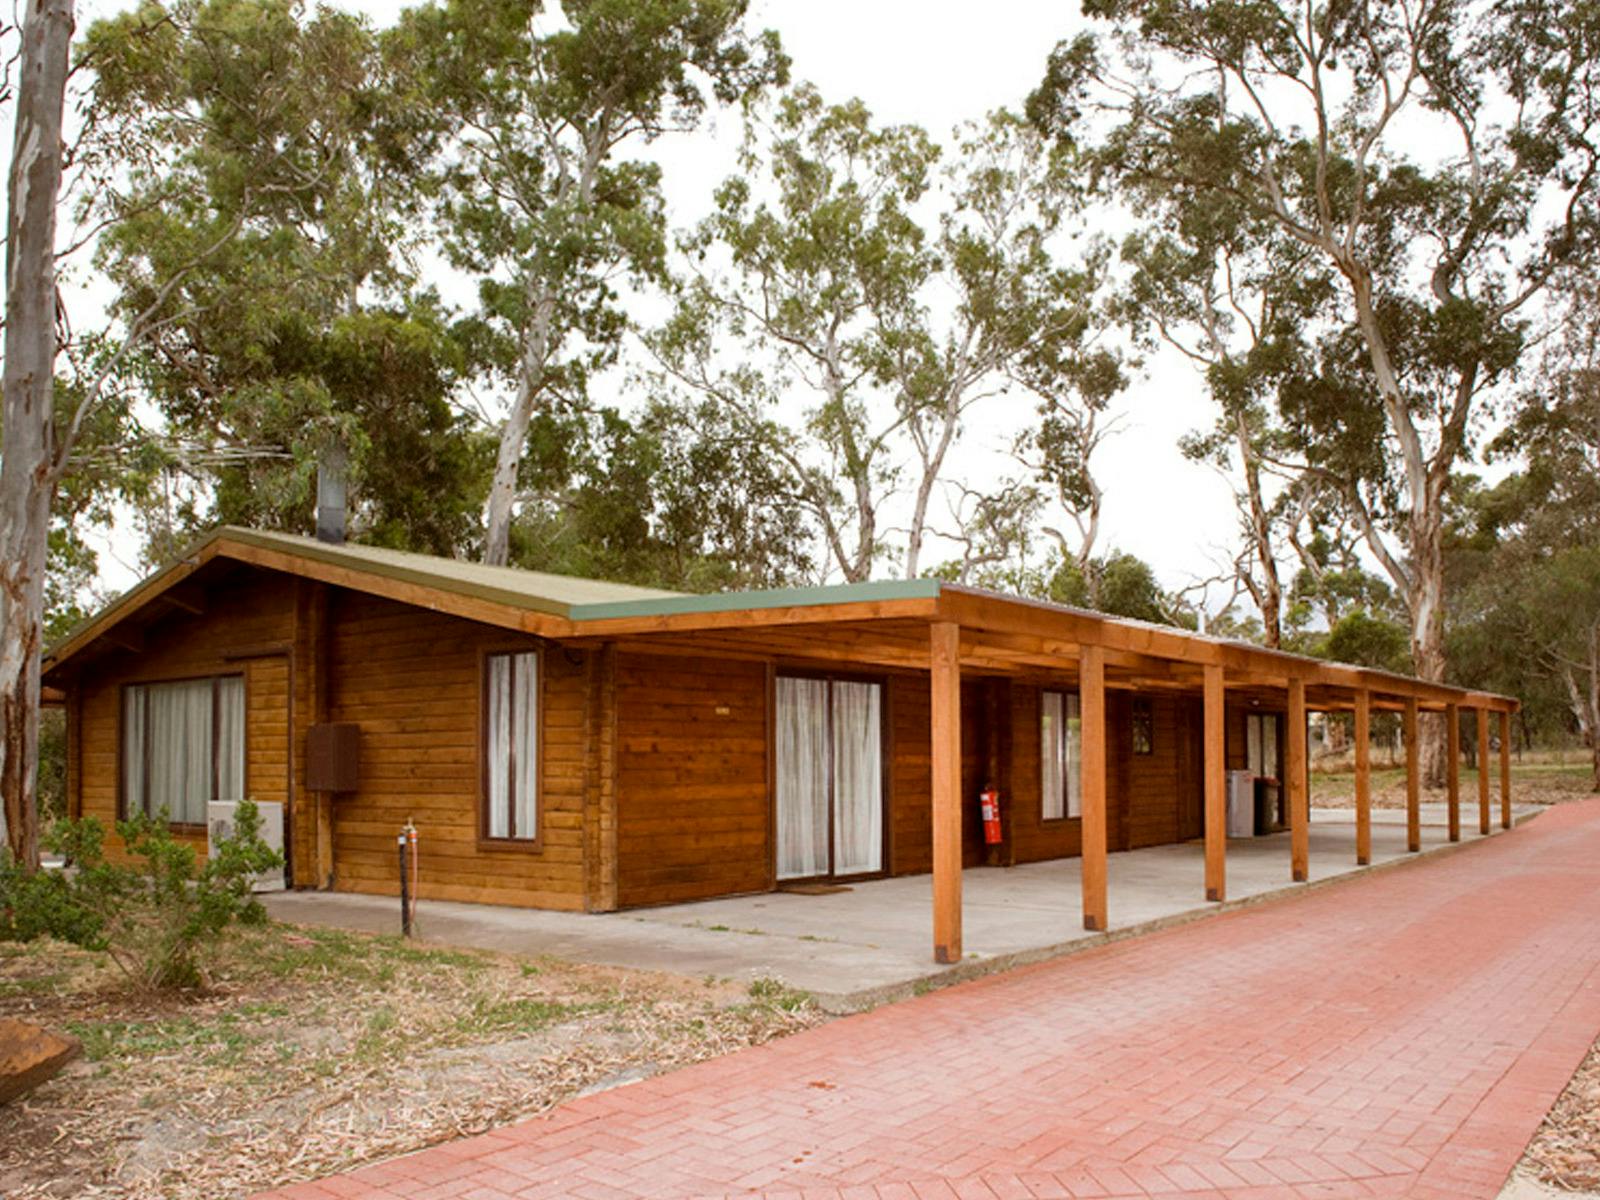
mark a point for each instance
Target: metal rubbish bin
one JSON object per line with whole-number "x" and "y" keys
{"x": 1241, "y": 804}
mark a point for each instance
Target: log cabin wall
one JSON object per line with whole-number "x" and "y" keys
{"x": 911, "y": 777}
{"x": 1032, "y": 838}
{"x": 692, "y": 778}
{"x": 1161, "y": 789}
{"x": 412, "y": 680}
{"x": 246, "y": 629}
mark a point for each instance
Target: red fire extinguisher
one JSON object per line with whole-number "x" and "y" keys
{"x": 989, "y": 807}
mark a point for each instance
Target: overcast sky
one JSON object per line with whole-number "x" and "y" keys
{"x": 938, "y": 63}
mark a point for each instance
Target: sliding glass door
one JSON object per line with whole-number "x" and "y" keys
{"x": 829, "y": 777}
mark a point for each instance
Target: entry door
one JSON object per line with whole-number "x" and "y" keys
{"x": 829, "y": 777}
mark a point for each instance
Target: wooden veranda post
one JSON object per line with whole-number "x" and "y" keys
{"x": 1483, "y": 771}
{"x": 1505, "y": 770}
{"x": 1413, "y": 778}
{"x": 944, "y": 653}
{"x": 1363, "y": 723}
{"x": 1295, "y": 769}
{"x": 1092, "y": 692}
{"x": 1216, "y": 769}
{"x": 1452, "y": 724}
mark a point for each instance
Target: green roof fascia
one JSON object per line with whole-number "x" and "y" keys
{"x": 771, "y": 598}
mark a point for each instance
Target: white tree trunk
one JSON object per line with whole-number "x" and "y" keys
{"x": 27, "y": 466}
{"x": 514, "y": 434}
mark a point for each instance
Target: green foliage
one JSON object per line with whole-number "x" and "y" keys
{"x": 674, "y": 497}
{"x": 1316, "y": 151}
{"x": 853, "y": 272}
{"x": 52, "y": 781}
{"x": 154, "y": 920}
{"x": 1368, "y": 641}
{"x": 1127, "y": 587}
{"x": 270, "y": 224}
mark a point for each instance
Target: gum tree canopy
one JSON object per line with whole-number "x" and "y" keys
{"x": 534, "y": 197}
{"x": 1438, "y": 156}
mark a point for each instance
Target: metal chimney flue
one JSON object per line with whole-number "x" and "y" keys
{"x": 331, "y": 495}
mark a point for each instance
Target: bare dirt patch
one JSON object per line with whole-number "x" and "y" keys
{"x": 315, "y": 1050}
{"x": 1531, "y": 783}
{"x": 1565, "y": 1153}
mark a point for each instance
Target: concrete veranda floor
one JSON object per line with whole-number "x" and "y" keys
{"x": 873, "y": 942}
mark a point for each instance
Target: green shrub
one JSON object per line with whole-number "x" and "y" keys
{"x": 156, "y": 918}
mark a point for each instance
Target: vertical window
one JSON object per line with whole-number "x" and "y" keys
{"x": 1060, "y": 740}
{"x": 182, "y": 746}
{"x": 1261, "y": 744}
{"x": 828, "y": 736}
{"x": 1144, "y": 728}
{"x": 511, "y": 746}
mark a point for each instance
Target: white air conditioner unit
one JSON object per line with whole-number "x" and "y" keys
{"x": 219, "y": 825}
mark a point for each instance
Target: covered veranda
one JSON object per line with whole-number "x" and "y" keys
{"x": 953, "y": 632}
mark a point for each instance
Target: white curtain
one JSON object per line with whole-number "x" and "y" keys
{"x": 133, "y": 724}
{"x": 498, "y": 720}
{"x": 1072, "y": 754}
{"x": 802, "y": 750}
{"x": 1052, "y": 792}
{"x": 857, "y": 778}
{"x": 230, "y": 737}
{"x": 525, "y": 745}
{"x": 180, "y": 748}
{"x": 1261, "y": 744}
{"x": 1061, "y": 739}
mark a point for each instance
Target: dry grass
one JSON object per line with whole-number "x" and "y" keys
{"x": 1566, "y": 1151}
{"x": 1531, "y": 783}
{"x": 316, "y": 1050}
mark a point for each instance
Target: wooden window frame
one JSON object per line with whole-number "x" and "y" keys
{"x": 522, "y": 845}
{"x": 885, "y": 797}
{"x": 213, "y": 677}
{"x": 1276, "y": 718}
{"x": 1142, "y": 711}
{"x": 1066, "y": 818}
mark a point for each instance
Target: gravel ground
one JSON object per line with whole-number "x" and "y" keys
{"x": 312, "y": 1051}
{"x": 1566, "y": 1151}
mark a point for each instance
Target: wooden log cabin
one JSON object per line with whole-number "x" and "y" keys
{"x": 571, "y": 744}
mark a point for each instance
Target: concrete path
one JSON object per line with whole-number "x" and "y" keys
{"x": 874, "y": 941}
{"x": 1399, "y": 1035}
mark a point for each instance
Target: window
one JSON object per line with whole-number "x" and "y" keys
{"x": 1144, "y": 728}
{"x": 511, "y": 747}
{"x": 1261, "y": 744}
{"x": 828, "y": 736}
{"x": 182, "y": 746}
{"x": 1060, "y": 742}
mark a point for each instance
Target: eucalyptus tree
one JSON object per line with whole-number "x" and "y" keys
{"x": 1533, "y": 605}
{"x": 854, "y": 301}
{"x": 1239, "y": 301}
{"x": 198, "y": 120}
{"x": 534, "y": 197}
{"x": 1437, "y": 156}
{"x": 32, "y": 457}
{"x": 292, "y": 324}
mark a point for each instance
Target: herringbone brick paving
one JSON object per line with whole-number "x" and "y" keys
{"x": 1401, "y": 1034}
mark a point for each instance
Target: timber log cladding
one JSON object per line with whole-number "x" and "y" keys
{"x": 694, "y": 816}
{"x": 413, "y": 681}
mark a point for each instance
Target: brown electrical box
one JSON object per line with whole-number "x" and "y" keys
{"x": 333, "y": 757}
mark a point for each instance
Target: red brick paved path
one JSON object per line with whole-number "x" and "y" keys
{"x": 1400, "y": 1035}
